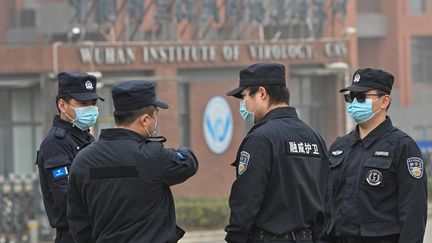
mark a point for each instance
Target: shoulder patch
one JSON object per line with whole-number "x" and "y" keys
{"x": 243, "y": 162}
{"x": 415, "y": 167}
{"x": 59, "y": 173}
{"x": 337, "y": 152}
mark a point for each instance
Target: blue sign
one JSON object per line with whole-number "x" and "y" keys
{"x": 60, "y": 172}
{"x": 218, "y": 125}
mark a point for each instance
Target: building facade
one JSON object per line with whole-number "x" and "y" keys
{"x": 193, "y": 51}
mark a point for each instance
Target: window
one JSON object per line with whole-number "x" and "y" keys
{"x": 26, "y": 128}
{"x": 421, "y": 59}
{"x": 369, "y": 6}
{"x": 184, "y": 113}
{"x": 20, "y": 129}
{"x": 430, "y": 6}
{"x": 416, "y": 6}
{"x": 106, "y": 109}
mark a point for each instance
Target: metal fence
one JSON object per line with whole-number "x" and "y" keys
{"x": 22, "y": 217}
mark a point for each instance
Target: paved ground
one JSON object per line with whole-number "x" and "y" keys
{"x": 217, "y": 236}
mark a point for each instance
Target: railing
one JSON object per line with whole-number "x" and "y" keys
{"x": 22, "y": 217}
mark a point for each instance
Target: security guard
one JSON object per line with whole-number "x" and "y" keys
{"x": 119, "y": 188}
{"x": 76, "y": 103}
{"x": 377, "y": 171}
{"x": 281, "y": 165}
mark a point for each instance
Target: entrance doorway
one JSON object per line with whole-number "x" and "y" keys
{"x": 314, "y": 93}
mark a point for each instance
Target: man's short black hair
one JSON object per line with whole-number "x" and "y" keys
{"x": 125, "y": 118}
{"x": 64, "y": 97}
{"x": 278, "y": 93}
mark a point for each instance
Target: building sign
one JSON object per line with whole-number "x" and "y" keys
{"x": 208, "y": 53}
{"x": 218, "y": 125}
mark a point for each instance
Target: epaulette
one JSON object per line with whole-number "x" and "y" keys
{"x": 159, "y": 139}
{"x": 59, "y": 132}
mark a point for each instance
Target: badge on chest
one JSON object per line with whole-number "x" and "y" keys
{"x": 374, "y": 177}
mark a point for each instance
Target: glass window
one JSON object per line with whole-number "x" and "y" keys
{"x": 3, "y": 165}
{"x": 37, "y": 107}
{"x": 421, "y": 59}
{"x": 369, "y": 6}
{"x": 417, "y": 6}
{"x": 184, "y": 110}
{"x": 106, "y": 109}
{"x": 38, "y": 137}
{"x": 21, "y": 105}
{"x": 23, "y": 149}
{"x": 20, "y": 129}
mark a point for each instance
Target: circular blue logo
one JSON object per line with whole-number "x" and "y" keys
{"x": 218, "y": 125}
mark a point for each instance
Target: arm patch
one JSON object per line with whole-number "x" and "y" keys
{"x": 59, "y": 173}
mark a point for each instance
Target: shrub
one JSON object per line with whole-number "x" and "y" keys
{"x": 202, "y": 213}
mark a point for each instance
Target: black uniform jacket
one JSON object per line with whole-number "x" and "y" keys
{"x": 378, "y": 185}
{"x": 119, "y": 189}
{"x": 282, "y": 170}
{"x": 54, "y": 159}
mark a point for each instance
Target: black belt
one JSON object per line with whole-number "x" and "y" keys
{"x": 362, "y": 239}
{"x": 300, "y": 234}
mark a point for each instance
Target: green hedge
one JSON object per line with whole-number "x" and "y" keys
{"x": 202, "y": 213}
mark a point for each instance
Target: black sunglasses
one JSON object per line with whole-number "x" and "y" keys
{"x": 361, "y": 97}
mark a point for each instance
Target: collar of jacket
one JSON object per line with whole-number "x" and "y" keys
{"x": 68, "y": 126}
{"x": 373, "y": 136}
{"x": 119, "y": 134}
{"x": 280, "y": 112}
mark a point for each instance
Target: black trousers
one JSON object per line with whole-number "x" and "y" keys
{"x": 358, "y": 239}
{"x": 63, "y": 236}
{"x": 279, "y": 241}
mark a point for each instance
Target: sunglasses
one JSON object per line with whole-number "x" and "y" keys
{"x": 361, "y": 97}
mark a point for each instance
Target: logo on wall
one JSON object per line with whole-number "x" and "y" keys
{"x": 218, "y": 124}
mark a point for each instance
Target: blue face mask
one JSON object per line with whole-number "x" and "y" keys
{"x": 361, "y": 112}
{"x": 245, "y": 114}
{"x": 85, "y": 116}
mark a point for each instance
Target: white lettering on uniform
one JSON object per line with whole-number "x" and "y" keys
{"x": 315, "y": 149}
{"x": 381, "y": 153}
{"x": 293, "y": 147}
{"x": 303, "y": 148}
{"x": 308, "y": 148}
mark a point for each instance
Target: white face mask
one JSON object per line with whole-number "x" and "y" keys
{"x": 155, "y": 128}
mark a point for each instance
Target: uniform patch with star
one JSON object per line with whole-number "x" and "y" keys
{"x": 415, "y": 167}
{"x": 243, "y": 162}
